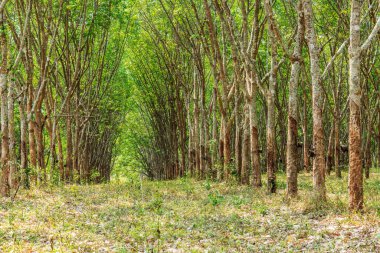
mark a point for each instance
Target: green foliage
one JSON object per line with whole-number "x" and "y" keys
{"x": 215, "y": 198}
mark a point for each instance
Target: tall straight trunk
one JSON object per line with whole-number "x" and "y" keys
{"x": 214, "y": 157}
{"x": 31, "y": 128}
{"x": 378, "y": 148}
{"x": 23, "y": 143}
{"x": 13, "y": 175}
{"x": 191, "y": 140}
{"x": 338, "y": 173}
{"x": 306, "y": 157}
{"x": 182, "y": 135}
{"x": 76, "y": 138}
{"x": 76, "y": 148}
{"x": 238, "y": 151}
{"x": 367, "y": 151}
{"x": 292, "y": 154}
{"x": 4, "y": 187}
{"x": 245, "y": 148}
{"x": 69, "y": 147}
{"x": 270, "y": 97}
{"x": 226, "y": 149}
{"x": 318, "y": 96}
{"x": 196, "y": 125}
{"x": 271, "y": 138}
{"x": 330, "y": 151}
{"x": 355, "y": 162}
{"x": 378, "y": 126}
{"x": 206, "y": 139}
{"x": 42, "y": 177}
{"x": 202, "y": 128}
{"x": 60, "y": 154}
{"x": 255, "y": 155}
{"x": 52, "y": 146}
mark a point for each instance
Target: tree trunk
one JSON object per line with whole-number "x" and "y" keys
{"x": 355, "y": 170}
{"x": 245, "y": 148}
{"x": 23, "y": 143}
{"x": 255, "y": 155}
{"x": 270, "y": 97}
{"x": 337, "y": 145}
{"x": 41, "y": 172}
{"x": 227, "y": 149}
{"x": 4, "y": 187}
{"x": 60, "y": 155}
{"x": 330, "y": 151}
{"x": 292, "y": 154}
{"x": 317, "y": 94}
{"x": 306, "y": 157}
{"x": 238, "y": 139}
{"x": 69, "y": 146}
{"x": 13, "y": 174}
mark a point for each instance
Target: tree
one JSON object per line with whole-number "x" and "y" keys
{"x": 355, "y": 51}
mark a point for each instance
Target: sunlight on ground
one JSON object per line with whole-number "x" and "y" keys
{"x": 188, "y": 216}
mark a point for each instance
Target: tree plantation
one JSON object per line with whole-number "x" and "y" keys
{"x": 189, "y": 126}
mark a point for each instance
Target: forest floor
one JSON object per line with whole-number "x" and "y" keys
{"x": 189, "y": 216}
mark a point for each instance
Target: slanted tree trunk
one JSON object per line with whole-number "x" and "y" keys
{"x": 292, "y": 154}
{"x": 317, "y": 95}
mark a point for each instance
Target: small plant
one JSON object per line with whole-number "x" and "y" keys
{"x": 262, "y": 209}
{"x": 156, "y": 205}
{"x": 207, "y": 185}
{"x": 215, "y": 198}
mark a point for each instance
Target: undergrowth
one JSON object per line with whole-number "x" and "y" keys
{"x": 186, "y": 215}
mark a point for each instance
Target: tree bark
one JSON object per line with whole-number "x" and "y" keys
{"x": 338, "y": 173}
{"x": 318, "y": 96}
{"x": 4, "y": 187}
{"x": 306, "y": 158}
{"x": 292, "y": 154}
{"x": 355, "y": 170}
{"x": 255, "y": 155}
{"x": 270, "y": 97}
{"x": 245, "y": 148}
{"x": 13, "y": 174}
{"x": 23, "y": 143}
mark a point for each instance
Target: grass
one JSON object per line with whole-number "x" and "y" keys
{"x": 189, "y": 216}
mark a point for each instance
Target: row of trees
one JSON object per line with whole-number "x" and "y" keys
{"x": 226, "y": 87}
{"x": 60, "y": 88}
